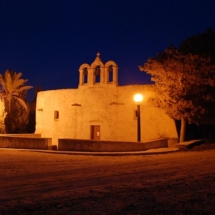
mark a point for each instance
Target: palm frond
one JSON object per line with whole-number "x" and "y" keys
{"x": 16, "y": 76}
{"x": 22, "y": 89}
{"x": 18, "y": 84}
{"x": 8, "y": 79}
{"x": 2, "y": 83}
{"x": 21, "y": 102}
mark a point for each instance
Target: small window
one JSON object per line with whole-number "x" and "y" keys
{"x": 56, "y": 115}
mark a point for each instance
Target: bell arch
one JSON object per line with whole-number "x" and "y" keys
{"x": 111, "y": 72}
{"x": 84, "y": 74}
{"x": 97, "y": 74}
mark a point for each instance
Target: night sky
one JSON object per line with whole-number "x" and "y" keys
{"x": 47, "y": 40}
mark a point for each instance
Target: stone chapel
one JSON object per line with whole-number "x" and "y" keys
{"x": 100, "y": 109}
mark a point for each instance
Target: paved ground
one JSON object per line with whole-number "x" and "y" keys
{"x": 173, "y": 183}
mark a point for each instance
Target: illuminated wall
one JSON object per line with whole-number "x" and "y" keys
{"x": 99, "y": 101}
{"x": 2, "y": 116}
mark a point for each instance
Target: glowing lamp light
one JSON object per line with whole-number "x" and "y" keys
{"x": 138, "y": 98}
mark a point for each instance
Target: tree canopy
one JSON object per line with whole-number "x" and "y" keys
{"x": 185, "y": 81}
{"x": 202, "y": 44}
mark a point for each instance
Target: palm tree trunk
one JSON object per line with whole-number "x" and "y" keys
{"x": 9, "y": 103}
{"x": 183, "y": 130}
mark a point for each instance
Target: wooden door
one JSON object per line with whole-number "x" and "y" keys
{"x": 95, "y": 132}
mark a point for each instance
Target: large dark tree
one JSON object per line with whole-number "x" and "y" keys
{"x": 201, "y": 44}
{"x": 185, "y": 84}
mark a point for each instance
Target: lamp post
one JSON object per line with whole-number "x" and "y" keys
{"x": 138, "y": 98}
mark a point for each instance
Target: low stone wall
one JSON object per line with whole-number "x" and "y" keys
{"x": 109, "y": 146}
{"x": 189, "y": 144}
{"x": 21, "y": 135}
{"x": 25, "y": 142}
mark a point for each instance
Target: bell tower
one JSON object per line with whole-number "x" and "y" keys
{"x": 98, "y": 73}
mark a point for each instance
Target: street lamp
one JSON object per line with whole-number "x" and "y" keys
{"x": 138, "y": 98}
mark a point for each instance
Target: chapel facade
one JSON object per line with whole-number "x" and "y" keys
{"x": 100, "y": 109}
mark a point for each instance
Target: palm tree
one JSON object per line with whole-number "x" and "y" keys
{"x": 12, "y": 88}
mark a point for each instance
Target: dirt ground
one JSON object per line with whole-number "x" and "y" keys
{"x": 41, "y": 183}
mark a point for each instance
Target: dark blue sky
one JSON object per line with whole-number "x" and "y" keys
{"x": 47, "y": 40}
